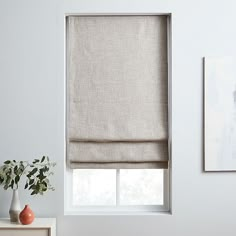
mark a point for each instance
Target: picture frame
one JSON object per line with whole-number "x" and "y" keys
{"x": 219, "y": 114}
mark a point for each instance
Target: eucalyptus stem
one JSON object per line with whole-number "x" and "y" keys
{"x": 36, "y": 172}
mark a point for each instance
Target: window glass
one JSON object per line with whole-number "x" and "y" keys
{"x": 141, "y": 187}
{"x": 94, "y": 187}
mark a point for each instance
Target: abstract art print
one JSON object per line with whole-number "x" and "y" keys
{"x": 219, "y": 114}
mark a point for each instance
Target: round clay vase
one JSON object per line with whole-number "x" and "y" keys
{"x": 26, "y": 216}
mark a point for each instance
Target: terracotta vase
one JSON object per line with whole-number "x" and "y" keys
{"x": 26, "y": 216}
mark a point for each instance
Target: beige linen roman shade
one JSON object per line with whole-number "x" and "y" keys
{"x": 117, "y": 92}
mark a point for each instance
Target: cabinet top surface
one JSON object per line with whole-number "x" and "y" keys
{"x": 38, "y": 223}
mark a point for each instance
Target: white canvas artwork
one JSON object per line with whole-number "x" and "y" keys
{"x": 220, "y": 114}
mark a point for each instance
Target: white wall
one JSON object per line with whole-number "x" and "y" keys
{"x": 32, "y": 110}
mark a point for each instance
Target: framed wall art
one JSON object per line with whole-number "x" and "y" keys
{"x": 219, "y": 114}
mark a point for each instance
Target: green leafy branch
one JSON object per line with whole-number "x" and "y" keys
{"x": 37, "y": 175}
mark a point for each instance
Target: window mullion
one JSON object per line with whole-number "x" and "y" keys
{"x": 117, "y": 187}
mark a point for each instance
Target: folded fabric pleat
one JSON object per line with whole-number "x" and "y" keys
{"x": 117, "y": 152}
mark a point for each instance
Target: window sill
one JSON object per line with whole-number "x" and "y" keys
{"x": 117, "y": 213}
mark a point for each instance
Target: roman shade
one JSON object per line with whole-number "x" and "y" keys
{"x": 117, "y": 92}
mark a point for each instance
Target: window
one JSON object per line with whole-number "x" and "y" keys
{"x": 118, "y": 119}
{"x": 123, "y": 190}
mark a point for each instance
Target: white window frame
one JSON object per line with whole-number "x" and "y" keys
{"x": 69, "y": 208}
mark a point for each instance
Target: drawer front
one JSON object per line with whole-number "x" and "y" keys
{"x": 24, "y": 232}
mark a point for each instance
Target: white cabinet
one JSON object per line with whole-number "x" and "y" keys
{"x": 40, "y": 227}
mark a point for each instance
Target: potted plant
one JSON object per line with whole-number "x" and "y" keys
{"x": 36, "y": 179}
